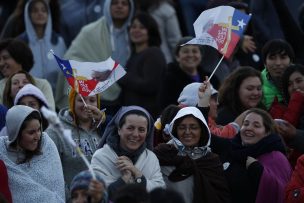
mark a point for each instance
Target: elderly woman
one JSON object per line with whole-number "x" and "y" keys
{"x": 255, "y": 164}
{"x": 187, "y": 163}
{"x": 125, "y": 157}
{"x": 32, "y": 161}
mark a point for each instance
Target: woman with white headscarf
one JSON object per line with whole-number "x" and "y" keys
{"x": 187, "y": 163}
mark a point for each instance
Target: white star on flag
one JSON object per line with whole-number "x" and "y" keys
{"x": 241, "y": 23}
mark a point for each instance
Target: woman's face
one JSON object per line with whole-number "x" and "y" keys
{"x": 18, "y": 81}
{"x": 30, "y": 135}
{"x": 250, "y": 92}
{"x": 80, "y": 196}
{"x": 296, "y": 82}
{"x": 30, "y": 101}
{"x": 80, "y": 111}
{"x": 253, "y": 129}
{"x": 133, "y": 132}
{"x": 189, "y": 131}
{"x": 138, "y": 33}
{"x": 39, "y": 14}
{"x": 8, "y": 65}
{"x": 189, "y": 57}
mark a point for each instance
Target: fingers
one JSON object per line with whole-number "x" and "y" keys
{"x": 124, "y": 163}
{"x": 96, "y": 190}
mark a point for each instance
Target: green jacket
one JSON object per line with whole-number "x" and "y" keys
{"x": 270, "y": 91}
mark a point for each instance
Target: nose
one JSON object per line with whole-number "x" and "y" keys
{"x": 187, "y": 130}
{"x": 37, "y": 135}
{"x": 21, "y": 85}
{"x": 277, "y": 60}
{"x": 295, "y": 86}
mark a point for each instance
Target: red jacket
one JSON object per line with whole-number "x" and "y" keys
{"x": 291, "y": 113}
{"x": 4, "y": 188}
{"x": 295, "y": 188}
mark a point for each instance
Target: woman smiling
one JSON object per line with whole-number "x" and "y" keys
{"x": 126, "y": 157}
{"x": 255, "y": 164}
{"x": 32, "y": 161}
{"x": 187, "y": 163}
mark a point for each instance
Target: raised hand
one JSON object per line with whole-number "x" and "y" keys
{"x": 204, "y": 93}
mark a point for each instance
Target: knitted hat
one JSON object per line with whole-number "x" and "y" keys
{"x": 189, "y": 95}
{"x": 82, "y": 181}
{"x": 72, "y": 96}
{"x": 14, "y": 119}
{"x": 31, "y": 90}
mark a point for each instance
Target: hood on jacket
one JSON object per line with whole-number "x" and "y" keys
{"x": 119, "y": 37}
{"x": 14, "y": 119}
{"x": 107, "y": 14}
{"x": 189, "y": 95}
{"x": 191, "y": 111}
{"x": 30, "y": 31}
{"x": 31, "y": 90}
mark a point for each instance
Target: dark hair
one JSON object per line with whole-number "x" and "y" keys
{"x": 285, "y": 78}
{"x": 277, "y": 46}
{"x": 19, "y": 51}
{"x": 181, "y": 41}
{"x": 35, "y": 115}
{"x": 151, "y": 25}
{"x": 268, "y": 122}
{"x": 166, "y": 117}
{"x": 33, "y": 3}
{"x": 131, "y": 193}
{"x": 8, "y": 101}
{"x": 159, "y": 195}
{"x": 229, "y": 90}
{"x": 203, "y": 138}
{"x": 16, "y": 20}
{"x": 44, "y": 121}
{"x": 168, "y": 114}
{"x": 132, "y": 112}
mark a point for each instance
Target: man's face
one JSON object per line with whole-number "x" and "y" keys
{"x": 119, "y": 10}
{"x": 276, "y": 64}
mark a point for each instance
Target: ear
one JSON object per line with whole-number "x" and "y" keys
{"x": 177, "y": 58}
{"x": 119, "y": 131}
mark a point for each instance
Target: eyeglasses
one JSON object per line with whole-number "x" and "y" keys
{"x": 184, "y": 128}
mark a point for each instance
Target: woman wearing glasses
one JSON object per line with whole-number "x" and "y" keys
{"x": 187, "y": 163}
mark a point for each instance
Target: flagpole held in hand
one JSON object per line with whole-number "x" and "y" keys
{"x": 85, "y": 104}
{"x": 218, "y": 64}
{"x": 53, "y": 119}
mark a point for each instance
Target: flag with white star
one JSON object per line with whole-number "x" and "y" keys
{"x": 90, "y": 78}
{"x": 221, "y": 28}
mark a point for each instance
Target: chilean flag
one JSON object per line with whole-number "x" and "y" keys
{"x": 89, "y": 78}
{"x": 221, "y": 28}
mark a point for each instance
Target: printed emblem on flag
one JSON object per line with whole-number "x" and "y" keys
{"x": 89, "y": 78}
{"x": 221, "y": 28}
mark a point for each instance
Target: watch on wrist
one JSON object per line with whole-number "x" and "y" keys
{"x": 138, "y": 180}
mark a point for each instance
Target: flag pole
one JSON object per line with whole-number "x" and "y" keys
{"x": 218, "y": 64}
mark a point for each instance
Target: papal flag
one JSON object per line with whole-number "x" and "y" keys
{"x": 221, "y": 28}
{"x": 90, "y": 78}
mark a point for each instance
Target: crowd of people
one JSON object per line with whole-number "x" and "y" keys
{"x": 165, "y": 131}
